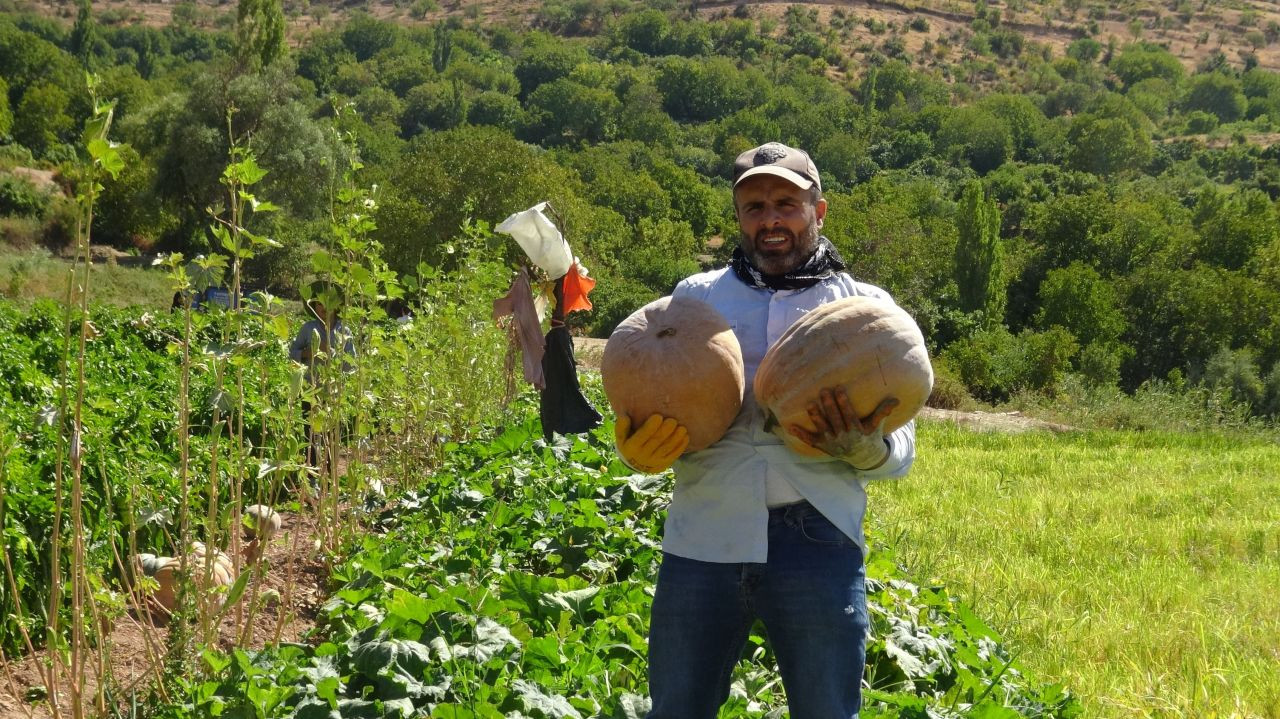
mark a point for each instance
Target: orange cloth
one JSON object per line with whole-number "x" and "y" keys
{"x": 576, "y": 288}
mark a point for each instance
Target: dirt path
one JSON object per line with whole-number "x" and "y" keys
{"x": 294, "y": 576}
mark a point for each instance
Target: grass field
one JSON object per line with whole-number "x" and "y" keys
{"x": 28, "y": 275}
{"x": 1142, "y": 570}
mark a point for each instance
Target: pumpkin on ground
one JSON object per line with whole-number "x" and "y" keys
{"x": 869, "y": 346}
{"x": 165, "y": 571}
{"x": 260, "y": 521}
{"x": 676, "y": 357}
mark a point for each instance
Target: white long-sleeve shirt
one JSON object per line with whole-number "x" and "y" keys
{"x": 720, "y": 509}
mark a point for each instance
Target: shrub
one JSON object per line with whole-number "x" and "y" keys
{"x": 613, "y": 300}
{"x": 1099, "y": 362}
{"x": 20, "y": 232}
{"x": 1199, "y": 121}
{"x": 1270, "y": 406}
{"x": 1232, "y": 375}
{"x": 948, "y": 389}
{"x": 20, "y": 197}
{"x": 994, "y": 364}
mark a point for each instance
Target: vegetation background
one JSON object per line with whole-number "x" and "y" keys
{"x": 1076, "y": 201}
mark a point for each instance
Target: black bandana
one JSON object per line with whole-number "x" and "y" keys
{"x": 824, "y": 263}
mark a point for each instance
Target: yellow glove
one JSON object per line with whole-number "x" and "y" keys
{"x": 654, "y": 446}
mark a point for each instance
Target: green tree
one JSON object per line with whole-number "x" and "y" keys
{"x": 979, "y": 258}
{"x": 42, "y": 118}
{"x": 1107, "y": 145}
{"x": 703, "y": 89}
{"x": 494, "y": 108}
{"x": 1086, "y": 49}
{"x": 259, "y": 32}
{"x": 899, "y": 233}
{"x": 641, "y": 116}
{"x": 366, "y": 36}
{"x": 84, "y": 34}
{"x": 645, "y": 31}
{"x": 895, "y": 83}
{"x": 1077, "y": 298}
{"x": 1233, "y": 227}
{"x": 615, "y": 177}
{"x": 564, "y": 112}
{"x": 298, "y": 152}
{"x": 1180, "y": 317}
{"x": 976, "y": 136}
{"x": 1025, "y": 121}
{"x": 6, "y": 110}
{"x": 1233, "y": 375}
{"x": 442, "y": 49}
{"x": 433, "y": 106}
{"x": 542, "y": 63}
{"x": 1140, "y": 61}
{"x": 320, "y": 56}
{"x": 447, "y": 177}
{"x": 1216, "y": 93}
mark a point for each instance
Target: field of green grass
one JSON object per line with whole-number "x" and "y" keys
{"x": 1142, "y": 570}
{"x": 28, "y": 275}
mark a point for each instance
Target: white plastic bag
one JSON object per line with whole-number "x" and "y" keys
{"x": 540, "y": 240}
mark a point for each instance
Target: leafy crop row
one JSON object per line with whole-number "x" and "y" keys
{"x": 517, "y": 584}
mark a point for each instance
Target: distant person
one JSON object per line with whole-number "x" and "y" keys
{"x": 399, "y": 311}
{"x": 314, "y": 344}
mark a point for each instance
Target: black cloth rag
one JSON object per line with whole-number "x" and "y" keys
{"x": 563, "y": 408}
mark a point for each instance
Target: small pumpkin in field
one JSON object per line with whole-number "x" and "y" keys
{"x": 165, "y": 571}
{"x": 869, "y": 346}
{"x": 261, "y": 522}
{"x": 676, "y": 357}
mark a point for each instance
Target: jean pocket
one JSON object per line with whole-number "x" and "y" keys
{"x": 819, "y": 530}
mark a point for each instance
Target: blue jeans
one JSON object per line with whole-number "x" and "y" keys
{"x": 811, "y": 597}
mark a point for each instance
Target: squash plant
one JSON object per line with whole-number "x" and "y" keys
{"x": 517, "y": 583}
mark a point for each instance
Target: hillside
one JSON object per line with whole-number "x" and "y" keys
{"x": 1192, "y": 31}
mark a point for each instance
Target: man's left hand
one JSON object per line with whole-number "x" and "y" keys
{"x": 840, "y": 433}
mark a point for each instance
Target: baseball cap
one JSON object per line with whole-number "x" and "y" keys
{"x": 775, "y": 158}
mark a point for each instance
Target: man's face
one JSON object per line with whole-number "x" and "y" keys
{"x": 779, "y": 223}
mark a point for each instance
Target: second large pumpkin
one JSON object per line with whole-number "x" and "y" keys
{"x": 871, "y": 347}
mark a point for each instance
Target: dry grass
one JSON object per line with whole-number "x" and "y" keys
{"x": 1047, "y": 22}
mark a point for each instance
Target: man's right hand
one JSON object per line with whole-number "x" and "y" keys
{"x": 654, "y": 446}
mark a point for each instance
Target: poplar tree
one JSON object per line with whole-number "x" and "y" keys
{"x": 259, "y": 32}
{"x": 979, "y": 259}
{"x": 84, "y": 34}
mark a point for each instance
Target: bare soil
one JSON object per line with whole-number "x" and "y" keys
{"x": 1191, "y": 35}
{"x": 136, "y": 643}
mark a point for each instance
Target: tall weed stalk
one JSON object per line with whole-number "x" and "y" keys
{"x": 68, "y": 654}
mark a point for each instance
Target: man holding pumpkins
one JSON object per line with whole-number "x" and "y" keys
{"x": 755, "y": 528}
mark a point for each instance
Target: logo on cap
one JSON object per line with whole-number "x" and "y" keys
{"x": 768, "y": 155}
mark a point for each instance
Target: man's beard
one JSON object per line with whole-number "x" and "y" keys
{"x": 770, "y": 264}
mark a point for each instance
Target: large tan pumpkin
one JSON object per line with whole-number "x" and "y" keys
{"x": 676, "y": 357}
{"x": 871, "y": 347}
{"x": 165, "y": 571}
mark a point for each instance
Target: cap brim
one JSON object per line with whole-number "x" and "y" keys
{"x": 791, "y": 176}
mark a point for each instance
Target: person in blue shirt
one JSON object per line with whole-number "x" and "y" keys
{"x": 313, "y": 345}
{"x": 754, "y": 530}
